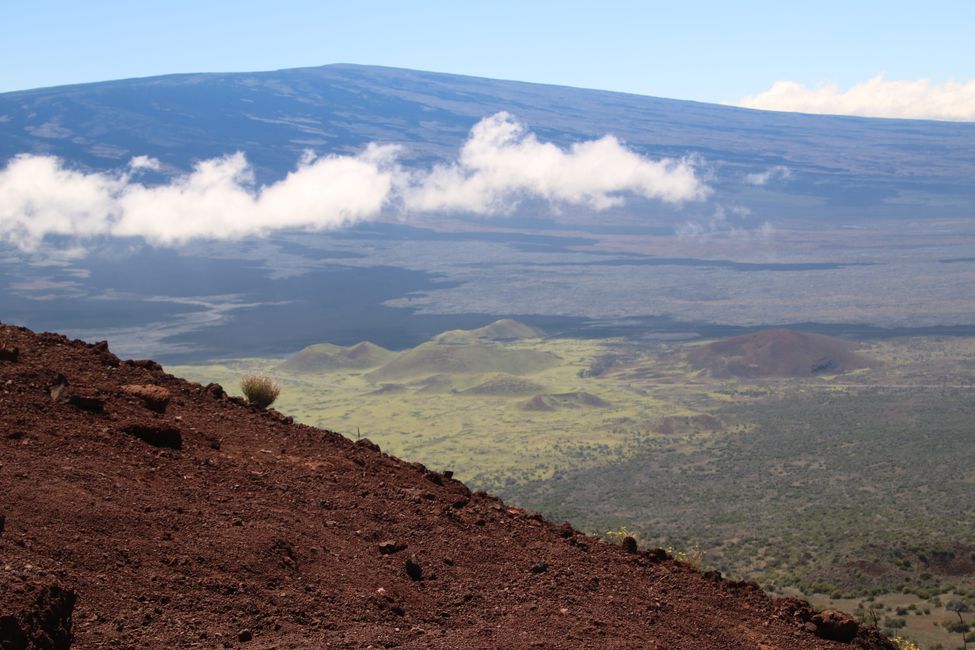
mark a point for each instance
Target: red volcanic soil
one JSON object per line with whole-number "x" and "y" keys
{"x": 779, "y": 353}
{"x": 138, "y": 510}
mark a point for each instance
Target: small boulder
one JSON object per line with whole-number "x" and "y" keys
{"x": 9, "y": 354}
{"x": 215, "y": 391}
{"x": 629, "y": 544}
{"x": 88, "y": 403}
{"x": 366, "y": 443}
{"x": 541, "y": 567}
{"x": 835, "y": 626}
{"x": 147, "y": 364}
{"x": 155, "y": 398}
{"x": 413, "y": 569}
{"x": 391, "y": 546}
{"x": 59, "y": 388}
{"x": 244, "y": 636}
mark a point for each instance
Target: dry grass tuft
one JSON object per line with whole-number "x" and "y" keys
{"x": 260, "y": 390}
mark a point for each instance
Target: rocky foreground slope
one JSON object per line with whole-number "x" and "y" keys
{"x": 140, "y": 510}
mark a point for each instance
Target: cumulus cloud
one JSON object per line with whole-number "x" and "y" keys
{"x": 877, "y": 97}
{"x": 772, "y": 173}
{"x": 144, "y": 162}
{"x": 500, "y": 164}
{"x": 39, "y": 196}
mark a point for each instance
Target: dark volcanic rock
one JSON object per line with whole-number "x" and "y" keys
{"x": 413, "y": 568}
{"x": 157, "y": 435}
{"x": 9, "y": 354}
{"x": 41, "y": 622}
{"x": 834, "y": 625}
{"x": 215, "y": 391}
{"x": 89, "y": 403}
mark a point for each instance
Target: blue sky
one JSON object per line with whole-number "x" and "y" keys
{"x": 709, "y": 51}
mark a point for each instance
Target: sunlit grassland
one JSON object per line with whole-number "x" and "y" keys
{"x": 485, "y": 436}
{"x": 651, "y": 395}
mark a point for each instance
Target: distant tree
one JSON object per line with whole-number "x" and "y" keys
{"x": 958, "y": 607}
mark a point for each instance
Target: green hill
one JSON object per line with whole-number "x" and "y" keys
{"x": 503, "y": 385}
{"x": 435, "y": 358}
{"x": 325, "y": 356}
{"x": 501, "y": 330}
{"x": 553, "y": 401}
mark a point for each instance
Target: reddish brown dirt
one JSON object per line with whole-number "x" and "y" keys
{"x": 779, "y": 353}
{"x": 246, "y": 530}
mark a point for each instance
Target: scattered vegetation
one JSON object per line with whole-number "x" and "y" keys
{"x": 839, "y": 487}
{"x": 904, "y": 644}
{"x": 617, "y": 536}
{"x": 260, "y": 390}
{"x": 692, "y": 556}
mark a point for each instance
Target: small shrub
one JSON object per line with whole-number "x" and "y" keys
{"x": 693, "y": 556}
{"x": 618, "y": 535}
{"x": 260, "y": 390}
{"x": 904, "y": 643}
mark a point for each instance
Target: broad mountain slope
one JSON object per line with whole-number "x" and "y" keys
{"x": 854, "y": 166}
{"x": 779, "y": 353}
{"x": 171, "y": 516}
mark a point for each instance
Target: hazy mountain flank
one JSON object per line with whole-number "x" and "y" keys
{"x": 275, "y": 116}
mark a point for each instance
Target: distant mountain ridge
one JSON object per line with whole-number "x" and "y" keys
{"x": 851, "y": 163}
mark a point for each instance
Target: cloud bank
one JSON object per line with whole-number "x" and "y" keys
{"x": 500, "y": 165}
{"x": 877, "y": 97}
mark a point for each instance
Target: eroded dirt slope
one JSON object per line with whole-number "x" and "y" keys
{"x": 139, "y": 510}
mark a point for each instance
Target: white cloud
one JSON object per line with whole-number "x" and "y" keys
{"x": 217, "y": 200}
{"x": 772, "y": 173}
{"x": 726, "y": 222}
{"x": 500, "y": 164}
{"x": 38, "y": 196}
{"x": 144, "y": 162}
{"x": 877, "y": 97}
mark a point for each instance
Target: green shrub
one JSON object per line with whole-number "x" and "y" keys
{"x": 260, "y": 390}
